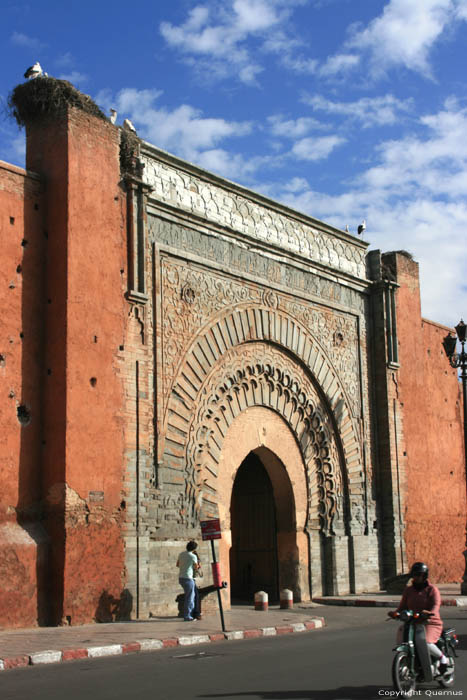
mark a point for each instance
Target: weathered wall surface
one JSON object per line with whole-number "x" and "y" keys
{"x": 65, "y": 252}
{"x": 430, "y": 393}
{"x": 418, "y": 428}
{"x": 22, "y": 276}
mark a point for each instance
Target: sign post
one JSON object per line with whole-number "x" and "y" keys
{"x": 211, "y": 530}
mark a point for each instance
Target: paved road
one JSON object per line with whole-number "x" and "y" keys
{"x": 348, "y": 660}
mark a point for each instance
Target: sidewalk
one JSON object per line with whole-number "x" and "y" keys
{"x": 41, "y": 645}
{"x": 450, "y": 596}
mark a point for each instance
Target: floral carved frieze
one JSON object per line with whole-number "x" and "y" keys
{"x": 195, "y": 298}
{"x": 252, "y": 217}
{"x": 239, "y": 258}
{"x": 259, "y": 376}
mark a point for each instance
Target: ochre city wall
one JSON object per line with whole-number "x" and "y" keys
{"x": 63, "y": 468}
{"x": 429, "y": 391}
{"x": 22, "y": 538}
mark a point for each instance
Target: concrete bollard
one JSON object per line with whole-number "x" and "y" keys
{"x": 286, "y": 597}
{"x": 261, "y": 600}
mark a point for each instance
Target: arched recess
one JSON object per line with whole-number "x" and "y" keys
{"x": 263, "y": 432}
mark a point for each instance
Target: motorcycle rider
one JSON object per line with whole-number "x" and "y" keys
{"x": 423, "y": 597}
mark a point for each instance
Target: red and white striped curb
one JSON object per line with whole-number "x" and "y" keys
{"x": 52, "y": 656}
{"x": 373, "y": 603}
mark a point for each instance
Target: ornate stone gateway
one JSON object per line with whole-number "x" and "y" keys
{"x": 253, "y": 322}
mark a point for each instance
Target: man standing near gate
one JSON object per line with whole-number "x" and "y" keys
{"x": 187, "y": 563}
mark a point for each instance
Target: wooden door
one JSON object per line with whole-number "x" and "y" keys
{"x": 253, "y": 557}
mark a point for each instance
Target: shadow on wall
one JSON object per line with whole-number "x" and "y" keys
{"x": 203, "y": 592}
{"x": 111, "y": 609}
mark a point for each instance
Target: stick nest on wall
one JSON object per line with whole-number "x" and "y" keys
{"x": 44, "y": 99}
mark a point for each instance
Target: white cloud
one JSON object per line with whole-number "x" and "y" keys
{"x": 413, "y": 198}
{"x": 293, "y": 128}
{"x": 232, "y": 165}
{"x": 311, "y": 148}
{"x": 26, "y": 42}
{"x": 340, "y": 63}
{"x": 13, "y": 141}
{"x": 370, "y": 111}
{"x": 183, "y": 130}
{"x": 436, "y": 164}
{"x": 217, "y": 37}
{"x": 404, "y": 34}
{"x": 74, "y": 77}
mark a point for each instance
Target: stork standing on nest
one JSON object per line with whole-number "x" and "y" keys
{"x": 35, "y": 71}
{"x": 127, "y": 124}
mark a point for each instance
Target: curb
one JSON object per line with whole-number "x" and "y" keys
{"x": 52, "y": 656}
{"x": 367, "y": 603}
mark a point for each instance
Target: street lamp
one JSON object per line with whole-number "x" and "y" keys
{"x": 459, "y": 360}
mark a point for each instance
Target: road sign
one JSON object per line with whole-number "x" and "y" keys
{"x": 211, "y": 529}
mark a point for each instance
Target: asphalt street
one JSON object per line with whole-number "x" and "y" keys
{"x": 350, "y": 659}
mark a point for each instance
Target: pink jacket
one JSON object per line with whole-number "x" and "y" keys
{"x": 429, "y": 598}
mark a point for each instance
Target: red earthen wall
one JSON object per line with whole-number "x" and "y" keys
{"x": 94, "y": 565}
{"x": 432, "y": 414}
{"x": 66, "y": 466}
{"x": 22, "y": 540}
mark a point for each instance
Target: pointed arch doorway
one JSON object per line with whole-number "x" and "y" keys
{"x": 253, "y": 555}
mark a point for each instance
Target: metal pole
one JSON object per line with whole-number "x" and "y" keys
{"x": 219, "y": 597}
{"x": 463, "y": 366}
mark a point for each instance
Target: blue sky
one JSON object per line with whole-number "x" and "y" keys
{"x": 343, "y": 109}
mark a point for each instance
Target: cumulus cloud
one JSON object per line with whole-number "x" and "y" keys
{"x": 293, "y": 128}
{"x": 370, "y": 111}
{"x": 413, "y": 197}
{"x": 404, "y": 34}
{"x": 183, "y": 130}
{"x": 27, "y": 42}
{"x": 312, "y": 148}
{"x": 218, "y": 37}
{"x": 74, "y": 77}
{"x": 338, "y": 64}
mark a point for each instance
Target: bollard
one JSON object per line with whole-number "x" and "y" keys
{"x": 261, "y": 600}
{"x": 286, "y": 597}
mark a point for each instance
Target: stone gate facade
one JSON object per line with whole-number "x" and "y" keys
{"x": 243, "y": 303}
{"x": 166, "y": 326}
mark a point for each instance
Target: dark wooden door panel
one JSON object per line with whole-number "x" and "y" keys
{"x": 253, "y": 557}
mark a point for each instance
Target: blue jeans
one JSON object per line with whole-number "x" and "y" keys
{"x": 188, "y": 586}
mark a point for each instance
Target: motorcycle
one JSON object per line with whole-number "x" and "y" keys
{"x": 412, "y": 663}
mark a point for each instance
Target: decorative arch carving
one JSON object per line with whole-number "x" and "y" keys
{"x": 191, "y": 394}
{"x": 256, "y": 375}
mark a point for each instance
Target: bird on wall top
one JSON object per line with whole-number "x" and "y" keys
{"x": 128, "y": 125}
{"x": 34, "y": 71}
{"x": 361, "y": 228}
{"x": 113, "y": 116}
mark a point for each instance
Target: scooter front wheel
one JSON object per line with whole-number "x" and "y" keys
{"x": 402, "y": 676}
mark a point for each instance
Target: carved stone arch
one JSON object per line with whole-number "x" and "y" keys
{"x": 187, "y": 438}
{"x": 260, "y": 375}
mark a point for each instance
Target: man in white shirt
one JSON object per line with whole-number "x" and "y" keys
{"x": 187, "y": 563}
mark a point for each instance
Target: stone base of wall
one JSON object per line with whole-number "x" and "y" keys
{"x": 366, "y": 562}
{"x": 23, "y": 567}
